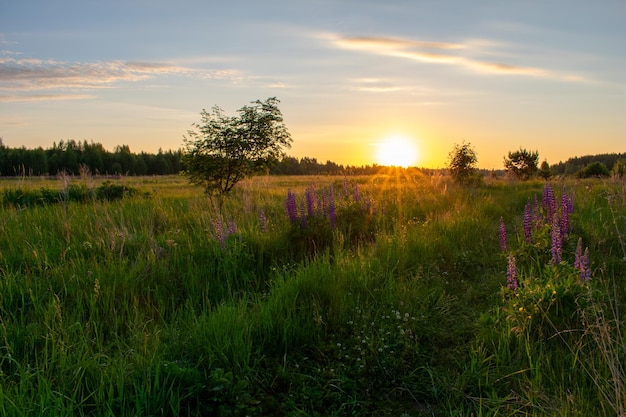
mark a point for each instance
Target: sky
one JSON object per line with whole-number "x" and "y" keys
{"x": 353, "y": 77}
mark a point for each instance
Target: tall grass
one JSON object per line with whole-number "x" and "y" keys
{"x": 170, "y": 303}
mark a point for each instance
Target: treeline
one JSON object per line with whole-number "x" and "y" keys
{"x": 310, "y": 166}
{"x": 72, "y": 157}
{"x": 577, "y": 165}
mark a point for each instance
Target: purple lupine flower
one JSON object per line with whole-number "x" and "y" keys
{"x": 357, "y": 193}
{"x": 549, "y": 202}
{"x": 292, "y": 207}
{"x": 581, "y": 262}
{"x": 263, "y": 220}
{"x": 220, "y": 233}
{"x": 232, "y": 227}
{"x": 528, "y": 219}
{"x": 503, "y": 246}
{"x": 302, "y": 213}
{"x": 309, "y": 195}
{"x": 332, "y": 214}
{"x": 511, "y": 274}
{"x": 570, "y": 203}
{"x": 536, "y": 212}
{"x": 556, "y": 247}
{"x": 564, "y": 216}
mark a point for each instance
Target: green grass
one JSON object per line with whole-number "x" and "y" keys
{"x": 150, "y": 305}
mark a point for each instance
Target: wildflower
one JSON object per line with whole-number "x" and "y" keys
{"x": 309, "y": 195}
{"x": 570, "y": 204}
{"x": 302, "y": 214}
{"x": 565, "y": 212}
{"x": 503, "y": 246}
{"x": 232, "y": 227}
{"x": 549, "y": 202}
{"x": 292, "y": 207}
{"x": 332, "y": 213}
{"x": 536, "y": 212}
{"x": 220, "y": 233}
{"x": 263, "y": 220}
{"x": 511, "y": 274}
{"x": 582, "y": 262}
{"x": 357, "y": 193}
{"x": 556, "y": 247}
{"x": 528, "y": 223}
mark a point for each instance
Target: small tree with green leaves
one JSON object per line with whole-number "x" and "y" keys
{"x": 222, "y": 150}
{"x": 594, "y": 170}
{"x": 544, "y": 170}
{"x": 462, "y": 163}
{"x": 619, "y": 169}
{"x": 522, "y": 164}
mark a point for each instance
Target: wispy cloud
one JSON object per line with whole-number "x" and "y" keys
{"x": 376, "y": 43}
{"x": 44, "y": 97}
{"x": 375, "y": 85}
{"x": 457, "y": 54}
{"x": 22, "y": 78}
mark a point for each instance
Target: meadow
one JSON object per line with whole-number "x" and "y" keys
{"x": 387, "y": 295}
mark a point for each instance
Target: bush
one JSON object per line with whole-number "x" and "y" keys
{"x": 19, "y": 197}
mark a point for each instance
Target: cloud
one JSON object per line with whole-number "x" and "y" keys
{"x": 30, "y": 74}
{"x": 19, "y": 77}
{"x": 441, "y": 53}
{"x": 375, "y": 85}
{"x": 43, "y": 97}
{"x": 377, "y": 43}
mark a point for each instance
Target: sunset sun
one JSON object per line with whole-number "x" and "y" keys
{"x": 396, "y": 151}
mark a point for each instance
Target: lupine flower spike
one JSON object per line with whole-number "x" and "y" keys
{"x": 310, "y": 200}
{"x": 292, "y": 207}
{"x": 332, "y": 214}
{"x": 582, "y": 262}
{"x": 565, "y": 212}
{"x": 557, "y": 241}
{"x": 528, "y": 214}
{"x": 503, "y": 246}
{"x": 263, "y": 221}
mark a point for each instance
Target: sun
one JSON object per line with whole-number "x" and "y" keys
{"x": 397, "y": 151}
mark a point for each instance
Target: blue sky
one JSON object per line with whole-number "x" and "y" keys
{"x": 543, "y": 75}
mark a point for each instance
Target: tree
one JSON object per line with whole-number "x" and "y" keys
{"x": 462, "y": 163}
{"x": 522, "y": 164}
{"x": 544, "y": 170}
{"x": 619, "y": 169}
{"x": 595, "y": 169}
{"x": 222, "y": 150}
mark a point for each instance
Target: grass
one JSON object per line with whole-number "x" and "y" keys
{"x": 169, "y": 303}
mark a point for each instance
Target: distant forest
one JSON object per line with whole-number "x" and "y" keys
{"x": 74, "y": 158}
{"x": 71, "y": 157}
{"x": 575, "y": 165}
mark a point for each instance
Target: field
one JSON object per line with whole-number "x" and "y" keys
{"x": 387, "y": 295}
